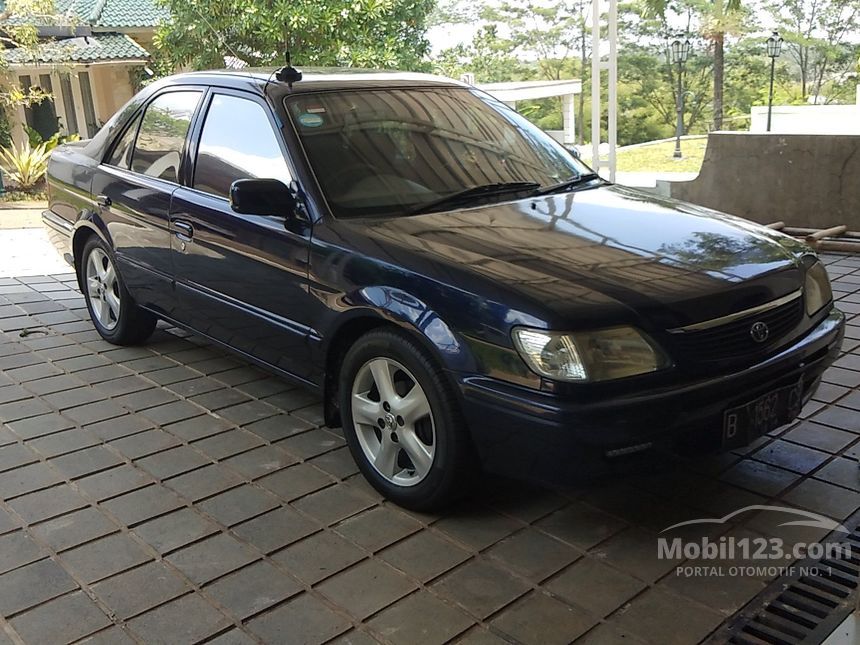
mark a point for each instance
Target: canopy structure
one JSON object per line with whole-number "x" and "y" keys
{"x": 511, "y": 93}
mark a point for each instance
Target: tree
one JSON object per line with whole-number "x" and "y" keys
{"x": 747, "y": 78}
{"x": 717, "y": 18}
{"x": 652, "y": 93}
{"x": 817, "y": 34}
{"x": 489, "y": 57}
{"x": 20, "y": 19}
{"x": 362, "y": 33}
{"x": 549, "y": 35}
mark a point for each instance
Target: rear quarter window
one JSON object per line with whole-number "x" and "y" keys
{"x": 121, "y": 154}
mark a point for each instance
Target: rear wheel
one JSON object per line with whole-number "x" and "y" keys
{"x": 115, "y": 315}
{"x": 402, "y": 422}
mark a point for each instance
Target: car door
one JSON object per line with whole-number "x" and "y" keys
{"x": 133, "y": 188}
{"x": 240, "y": 279}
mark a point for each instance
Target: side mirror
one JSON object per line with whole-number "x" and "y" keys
{"x": 262, "y": 197}
{"x": 574, "y": 151}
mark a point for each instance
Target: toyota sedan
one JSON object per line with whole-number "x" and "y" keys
{"x": 464, "y": 293}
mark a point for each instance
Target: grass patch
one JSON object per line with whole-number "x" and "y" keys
{"x": 657, "y": 157}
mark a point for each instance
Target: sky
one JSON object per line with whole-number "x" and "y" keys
{"x": 445, "y": 36}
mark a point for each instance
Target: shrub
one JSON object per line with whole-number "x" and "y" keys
{"x": 25, "y": 165}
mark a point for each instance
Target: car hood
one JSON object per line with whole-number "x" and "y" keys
{"x": 578, "y": 253}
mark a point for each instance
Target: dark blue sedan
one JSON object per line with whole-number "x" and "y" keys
{"x": 461, "y": 290}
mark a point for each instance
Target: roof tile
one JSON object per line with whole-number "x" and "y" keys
{"x": 115, "y": 14}
{"x": 99, "y": 48}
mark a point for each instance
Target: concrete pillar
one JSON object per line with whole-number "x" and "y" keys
{"x": 568, "y": 107}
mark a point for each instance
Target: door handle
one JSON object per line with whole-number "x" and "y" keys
{"x": 183, "y": 230}
{"x": 103, "y": 200}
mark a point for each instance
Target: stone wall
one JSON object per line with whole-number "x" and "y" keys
{"x": 804, "y": 180}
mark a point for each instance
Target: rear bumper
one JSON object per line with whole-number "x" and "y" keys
{"x": 60, "y": 234}
{"x": 535, "y": 435}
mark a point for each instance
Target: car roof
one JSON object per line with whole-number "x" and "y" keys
{"x": 316, "y": 78}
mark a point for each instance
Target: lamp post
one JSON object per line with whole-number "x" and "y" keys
{"x": 774, "y": 47}
{"x": 679, "y": 51}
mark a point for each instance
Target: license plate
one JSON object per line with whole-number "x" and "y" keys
{"x": 746, "y": 422}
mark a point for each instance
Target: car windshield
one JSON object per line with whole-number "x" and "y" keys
{"x": 391, "y": 152}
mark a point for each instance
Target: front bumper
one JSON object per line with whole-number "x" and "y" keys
{"x": 535, "y": 435}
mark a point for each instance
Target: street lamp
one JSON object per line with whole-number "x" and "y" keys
{"x": 774, "y": 47}
{"x": 679, "y": 51}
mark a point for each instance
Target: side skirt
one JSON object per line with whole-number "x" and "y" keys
{"x": 238, "y": 352}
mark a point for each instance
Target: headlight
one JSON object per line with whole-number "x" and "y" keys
{"x": 588, "y": 356}
{"x": 816, "y": 290}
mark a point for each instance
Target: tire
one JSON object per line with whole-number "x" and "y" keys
{"x": 114, "y": 313}
{"x": 421, "y": 476}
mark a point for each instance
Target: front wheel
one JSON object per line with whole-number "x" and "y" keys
{"x": 113, "y": 311}
{"x": 402, "y": 422}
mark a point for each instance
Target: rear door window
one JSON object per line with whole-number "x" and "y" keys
{"x": 158, "y": 151}
{"x": 237, "y": 142}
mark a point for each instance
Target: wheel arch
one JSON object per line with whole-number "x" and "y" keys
{"x": 87, "y": 226}
{"x": 427, "y": 329}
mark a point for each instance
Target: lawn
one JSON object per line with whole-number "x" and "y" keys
{"x": 657, "y": 157}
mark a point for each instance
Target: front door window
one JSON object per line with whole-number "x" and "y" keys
{"x": 238, "y": 142}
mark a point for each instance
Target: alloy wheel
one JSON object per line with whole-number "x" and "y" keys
{"x": 103, "y": 288}
{"x": 393, "y": 422}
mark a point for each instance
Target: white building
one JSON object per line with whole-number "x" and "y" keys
{"x": 808, "y": 119}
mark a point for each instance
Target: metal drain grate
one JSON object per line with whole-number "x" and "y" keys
{"x": 799, "y": 609}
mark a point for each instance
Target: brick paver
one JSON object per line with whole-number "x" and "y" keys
{"x": 171, "y": 493}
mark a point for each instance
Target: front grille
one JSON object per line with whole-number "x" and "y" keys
{"x": 734, "y": 339}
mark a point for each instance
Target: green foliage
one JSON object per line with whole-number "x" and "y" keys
{"x": 489, "y": 57}
{"x": 25, "y": 166}
{"x": 20, "y": 33}
{"x": 34, "y": 195}
{"x": 532, "y": 40}
{"x": 650, "y": 89}
{"x": 5, "y": 129}
{"x": 33, "y": 136}
{"x": 59, "y": 139}
{"x": 544, "y": 41}
{"x": 549, "y": 32}
{"x": 35, "y": 139}
{"x": 361, "y": 33}
{"x": 12, "y": 95}
{"x": 818, "y": 40}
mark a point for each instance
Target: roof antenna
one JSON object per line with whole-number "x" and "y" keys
{"x": 288, "y": 73}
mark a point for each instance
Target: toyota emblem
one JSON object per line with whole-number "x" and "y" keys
{"x": 759, "y": 332}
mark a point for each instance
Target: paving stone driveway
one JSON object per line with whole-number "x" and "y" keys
{"x": 170, "y": 493}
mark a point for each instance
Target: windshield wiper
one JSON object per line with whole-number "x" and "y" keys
{"x": 567, "y": 183}
{"x": 474, "y": 192}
